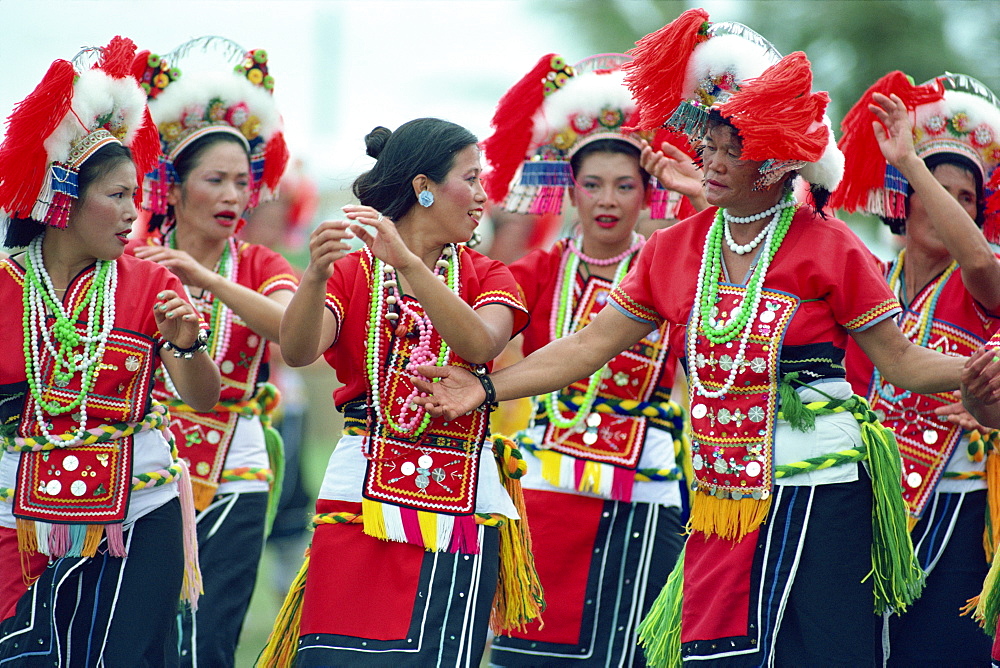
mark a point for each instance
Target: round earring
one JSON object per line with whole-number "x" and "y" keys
{"x": 426, "y": 198}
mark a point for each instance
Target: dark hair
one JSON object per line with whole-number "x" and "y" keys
{"x": 186, "y": 162}
{"x": 608, "y": 145}
{"x": 422, "y": 146}
{"x": 898, "y": 226}
{"x": 20, "y": 231}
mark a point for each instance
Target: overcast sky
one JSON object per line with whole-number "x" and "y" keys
{"x": 340, "y": 67}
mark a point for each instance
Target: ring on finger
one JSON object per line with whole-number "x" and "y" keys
{"x": 379, "y": 219}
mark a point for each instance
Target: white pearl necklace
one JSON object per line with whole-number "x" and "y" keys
{"x": 774, "y": 210}
{"x": 743, "y": 249}
{"x": 692, "y": 333}
{"x": 40, "y": 334}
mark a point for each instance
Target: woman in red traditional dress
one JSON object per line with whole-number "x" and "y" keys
{"x": 601, "y": 486}
{"x": 223, "y": 150}
{"x": 97, "y": 492}
{"x": 926, "y": 179}
{"x": 403, "y": 564}
{"x": 762, "y": 294}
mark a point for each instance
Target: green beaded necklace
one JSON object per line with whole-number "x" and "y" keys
{"x": 712, "y": 269}
{"x": 563, "y": 327}
{"x": 37, "y": 302}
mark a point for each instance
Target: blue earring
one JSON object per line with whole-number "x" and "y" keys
{"x": 426, "y": 198}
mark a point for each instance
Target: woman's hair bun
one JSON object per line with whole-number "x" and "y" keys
{"x": 376, "y": 139}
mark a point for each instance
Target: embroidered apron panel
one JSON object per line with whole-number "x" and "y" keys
{"x": 733, "y": 435}
{"x": 87, "y": 484}
{"x": 633, "y": 374}
{"x": 204, "y": 439}
{"x": 435, "y": 472}
{"x": 925, "y": 442}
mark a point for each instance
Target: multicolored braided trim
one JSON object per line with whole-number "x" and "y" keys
{"x": 156, "y": 419}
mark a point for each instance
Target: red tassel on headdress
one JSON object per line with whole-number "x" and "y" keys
{"x": 864, "y": 166}
{"x": 659, "y": 66}
{"x": 24, "y": 165}
{"x": 777, "y": 114}
{"x": 117, "y": 57}
{"x": 512, "y": 128}
{"x": 145, "y": 145}
{"x": 275, "y": 160}
{"x": 58, "y": 214}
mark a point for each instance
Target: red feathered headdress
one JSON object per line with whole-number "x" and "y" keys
{"x": 691, "y": 67}
{"x": 951, "y": 114}
{"x": 69, "y": 116}
{"x": 867, "y": 186}
{"x": 513, "y": 122}
{"x": 546, "y": 117}
{"x": 659, "y": 67}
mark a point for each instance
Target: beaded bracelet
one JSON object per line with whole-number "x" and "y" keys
{"x": 200, "y": 344}
{"x": 490, "y": 402}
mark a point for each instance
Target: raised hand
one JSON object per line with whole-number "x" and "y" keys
{"x": 190, "y": 271}
{"x": 673, "y": 168}
{"x": 327, "y": 245}
{"x": 176, "y": 319}
{"x": 893, "y": 129}
{"x": 385, "y": 243}
{"x": 456, "y": 393}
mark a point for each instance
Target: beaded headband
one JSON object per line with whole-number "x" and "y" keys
{"x": 71, "y": 114}
{"x": 691, "y": 67}
{"x": 544, "y": 119}
{"x": 189, "y": 106}
{"x": 952, "y": 114}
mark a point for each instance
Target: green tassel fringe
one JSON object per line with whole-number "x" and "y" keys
{"x": 276, "y": 460}
{"x": 792, "y": 409}
{"x": 897, "y": 576}
{"x": 660, "y": 630}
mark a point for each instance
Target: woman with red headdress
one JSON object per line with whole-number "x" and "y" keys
{"x": 97, "y": 490}
{"x": 603, "y": 451}
{"x": 926, "y": 179}
{"x": 762, "y": 294}
{"x": 223, "y": 150}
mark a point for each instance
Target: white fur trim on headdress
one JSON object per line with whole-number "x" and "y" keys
{"x": 828, "y": 171}
{"x": 179, "y": 109}
{"x": 94, "y": 94}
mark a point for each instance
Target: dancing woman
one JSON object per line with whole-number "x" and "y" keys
{"x": 926, "y": 180}
{"x": 223, "y": 150}
{"x": 601, "y": 487}
{"x": 79, "y": 424}
{"x": 410, "y": 504}
{"x": 766, "y": 292}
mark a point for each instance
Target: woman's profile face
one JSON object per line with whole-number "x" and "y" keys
{"x": 100, "y": 222}
{"x": 608, "y": 193}
{"x": 729, "y": 179}
{"x": 459, "y": 200}
{"x": 212, "y": 198}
